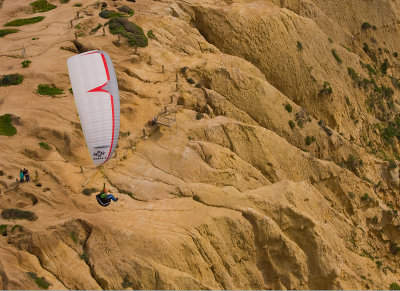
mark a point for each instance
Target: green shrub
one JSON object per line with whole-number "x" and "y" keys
{"x": 126, "y": 9}
{"x": 18, "y": 214}
{"x": 133, "y": 32}
{"x": 15, "y": 227}
{"x": 78, "y": 5}
{"x": 291, "y": 124}
{"x": 84, "y": 257}
{"x": 6, "y": 128}
{"x": 3, "y": 229}
{"x": 73, "y": 236}
{"x": 309, "y": 139}
{"x": 150, "y": 34}
{"x": 366, "y": 198}
{"x": 78, "y": 26}
{"x": 199, "y": 115}
{"x": 4, "y": 32}
{"x": 42, "y": 6}
{"x": 392, "y": 164}
{"x": 395, "y": 54}
{"x": 41, "y": 282}
{"x": 26, "y": 63}
{"x": 366, "y": 48}
{"x": 44, "y": 89}
{"x": 336, "y": 56}
{"x": 96, "y": 28}
{"x": 353, "y": 163}
{"x": 25, "y": 21}
{"x": 107, "y": 14}
{"x": 327, "y": 89}
{"x": 64, "y": 1}
{"x": 299, "y": 46}
{"x": 12, "y": 79}
{"x": 288, "y": 107}
{"x": 384, "y": 66}
{"x": 190, "y": 81}
{"x": 394, "y": 286}
{"x": 35, "y": 38}
{"x": 366, "y": 25}
{"x": 88, "y": 191}
{"x": 44, "y": 145}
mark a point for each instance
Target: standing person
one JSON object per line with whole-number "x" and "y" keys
{"x": 103, "y": 194}
{"x": 21, "y": 175}
{"x": 26, "y": 175}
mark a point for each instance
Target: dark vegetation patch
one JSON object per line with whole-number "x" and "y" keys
{"x": 4, "y": 32}
{"x": 199, "y": 115}
{"x": 78, "y": 5}
{"x": 288, "y": 108}
{"x": 25, "y": 21}
{"x": 299, "y": 46}
{"x": 44, "y": 89}
{"x": 6, "y": 128}
{"x": 18, "y": 214}
{"x": 130, "y": 30}
{"x": 291, "y": 124}
{"x": 12, "y": 79}
{"x": 326, "y": 90}
{"x": 42, "y": 6}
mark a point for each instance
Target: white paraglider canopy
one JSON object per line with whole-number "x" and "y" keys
{"x": 95, "y": 88}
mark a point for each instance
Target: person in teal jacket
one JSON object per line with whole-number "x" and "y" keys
{"x": 104, "y": 195}
{"x": 21, "y": 176}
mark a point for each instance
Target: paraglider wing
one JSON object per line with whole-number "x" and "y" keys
{"x": 95, "y": 88}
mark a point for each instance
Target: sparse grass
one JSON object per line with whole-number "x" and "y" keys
{"x": 63, "y": 1}
{"x": 197, "y": 198}
{"x": 4, "y": 32}
{"x": 25, "y": 21}
{"x": 6, "y": 128}
{"x": 12, "y": 79}
{"x": 35, "y": 38}
{"x": 18, "y": 214}
{"x": 73, "y": 236}
{"x": 198, "y": 85}
{"x": 352, "y": 195}
{"x": 89, "y": 191}
{"x": 124, "y": 134}
{"x": 78, "y": 26}
{"x": 78, "y": 5}
{"x": 353, "y": 164}
{"x": 41, "y": 282}
{"x": 299, "y": 46}
{"x": 288, "y": 107}
{"x": 291, "y": 124}
{"x": 26, "y": 63}
{"x": 44, "y": 89}
{"x": 44, "y": 145}
{"x": 354, "y": 76}
{"x": 126, "y": 283}
{"x": 133, "y": 32}
{"x": 42, "y": 6}
{"x": 394, "y": 286}
{"x": 130, "y": 194}
{"x": 365, "y": 26}
{"x": 336, "y": 56}
{"x": 367, "y": 255}
{"x": 150, "y": 34}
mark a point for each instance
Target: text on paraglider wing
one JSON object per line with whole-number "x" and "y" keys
{"x": 99, "y": 155}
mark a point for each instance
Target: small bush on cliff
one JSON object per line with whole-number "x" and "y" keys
{"x": 25, "y": 21}
{"x": 12, "y": 79}
{"x": 42, "y": 6}
{"x": 4, "y": 32}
